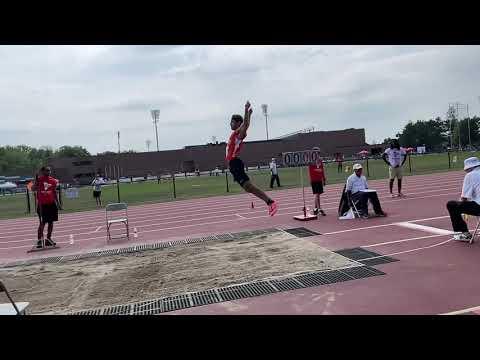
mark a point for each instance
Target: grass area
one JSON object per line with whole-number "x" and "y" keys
{"x": 12, "y": 206}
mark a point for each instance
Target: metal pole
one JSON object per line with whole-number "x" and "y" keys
{"x": 459, "y": 141}
{"x": 469, "y": 136}
{"x": 155, "y": 117}
{"x": 266, "y": 124}
{"x": 28, "y": 201}
{"x": 60, "y": 200}
{"x": 118, "y": 182}
{"x": 226, "y": 180}
{"x": 409, "y": 162}
{"x": 174, "y": 189}
{"x": 368, "y": 169}
{"x": 265, "y": 112}
{"x": 303, "y": 193}
{"x": 118, "y": 135}
{"x": 449, "y": 160}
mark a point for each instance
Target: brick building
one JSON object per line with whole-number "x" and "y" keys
{"x": 207, "y": 157}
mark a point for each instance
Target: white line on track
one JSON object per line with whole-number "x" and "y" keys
{"x": 463, "y": 311}
{"x": 401, "y": 240}
{"x": 212, "y": 202}
{"x": 429, "y": 229}
{"x": 215, "y": 214}
{"x": 224, "y": 221}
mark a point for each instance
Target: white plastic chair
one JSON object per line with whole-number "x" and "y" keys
{"x": 110, "y": 209}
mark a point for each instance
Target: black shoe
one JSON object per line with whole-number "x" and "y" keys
{"x": 322, "y": 212}
{"x": 39, "y": 244}
{"x": 50, "y": 242}
{"x": 315, "y": 211}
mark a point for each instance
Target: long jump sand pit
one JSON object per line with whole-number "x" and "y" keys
{"x": 91, "y": 283}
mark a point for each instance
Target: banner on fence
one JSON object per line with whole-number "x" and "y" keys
{"x": 300, "y": 158}
{"x": 71, "y": 193}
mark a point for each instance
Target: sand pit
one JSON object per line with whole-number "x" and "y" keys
{"x": 96, "y": 282}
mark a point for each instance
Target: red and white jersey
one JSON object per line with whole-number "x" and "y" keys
{"x": 234, "y": 146}
{"x": 316, "y": 171}
{"x": 46, "y": 187}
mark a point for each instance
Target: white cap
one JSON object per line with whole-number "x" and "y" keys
{"x": 357, "y": 167}
{"x": 273, "y": 159}
{"x": 471, "y": 162}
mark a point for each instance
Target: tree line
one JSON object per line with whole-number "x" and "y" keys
{"x": 436, "y": 134}
{"x": 24, "y": 160}
{"x": 440, "y": 134}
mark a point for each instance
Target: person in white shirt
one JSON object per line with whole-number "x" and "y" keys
{"x": 469, "y": 203}
{"x": 274, "y": 172}
{"x": 396, "y": 159}
{"x": 97, "y": 189}
{"x": 356, "y": 194}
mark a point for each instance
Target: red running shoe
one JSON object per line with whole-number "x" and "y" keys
{"x": 272, "y": 208}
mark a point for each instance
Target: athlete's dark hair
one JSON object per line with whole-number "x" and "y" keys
{"x": 395, "y": 144}
{"x": 237, "y": 118}
{"x": 45, "y": 168}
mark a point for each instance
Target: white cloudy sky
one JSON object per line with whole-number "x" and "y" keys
{"x": 81, "y": 95}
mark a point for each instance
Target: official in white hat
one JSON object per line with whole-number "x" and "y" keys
{"x": 469, "y": 203}
{"x": 359, "y": 194}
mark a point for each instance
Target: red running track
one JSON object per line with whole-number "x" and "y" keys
{"x": 434, "y": 274}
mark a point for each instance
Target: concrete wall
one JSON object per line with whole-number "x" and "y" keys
{"x": 207, "y": 157}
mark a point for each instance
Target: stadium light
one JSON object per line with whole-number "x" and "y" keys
{"x": 118, "y": 138}
{"x": 265, "y": 112}
{"x": 155, "y": 116}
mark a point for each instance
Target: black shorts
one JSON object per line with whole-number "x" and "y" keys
{"x": 49, "y": 213}
{"x": 317, "y": 187}
{"x": 96, "y": 194}
{"x": 237, "y": 168}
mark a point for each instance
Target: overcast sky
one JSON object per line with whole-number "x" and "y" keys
{"x": 81, "y": 95}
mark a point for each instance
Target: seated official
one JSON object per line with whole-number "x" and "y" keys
{"x": 469, "y": 201}
{"x": 358, "y": 193}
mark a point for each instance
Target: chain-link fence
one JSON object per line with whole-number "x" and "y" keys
{"x": 170, "y": 187}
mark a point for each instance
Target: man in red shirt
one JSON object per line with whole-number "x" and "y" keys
{"x": 240, "y": 126}
{"x": 317, "y": 180}
{"x": 45, "y": 188}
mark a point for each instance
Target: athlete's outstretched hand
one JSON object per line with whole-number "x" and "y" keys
{"x": 247, "y": 106}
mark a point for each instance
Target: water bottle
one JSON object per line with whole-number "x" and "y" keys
{"x": 135, "y": 233}
{"x": 71, "y": 239}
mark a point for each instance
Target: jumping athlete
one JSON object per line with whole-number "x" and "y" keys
{"x": 240, "y": 126}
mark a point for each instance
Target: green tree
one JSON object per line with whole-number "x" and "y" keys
{"x": 430, "y": 133}
{"x": 72, "y": 151}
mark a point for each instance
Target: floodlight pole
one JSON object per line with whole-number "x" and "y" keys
{"x": 459, "y": 132}
{"x": 155, "y": 116}
{"x": 469, "y": 136}
{"x": 118, "y": 138}
{"x": 265, "y": 113}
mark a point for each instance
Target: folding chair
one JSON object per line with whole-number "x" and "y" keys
{"x": 122, "y": 219}
{"x": 475, "y": 233}
{"x": 477, "y": 228}
{"x": 354, "y": 208}
{"x": 6, "y": 309}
